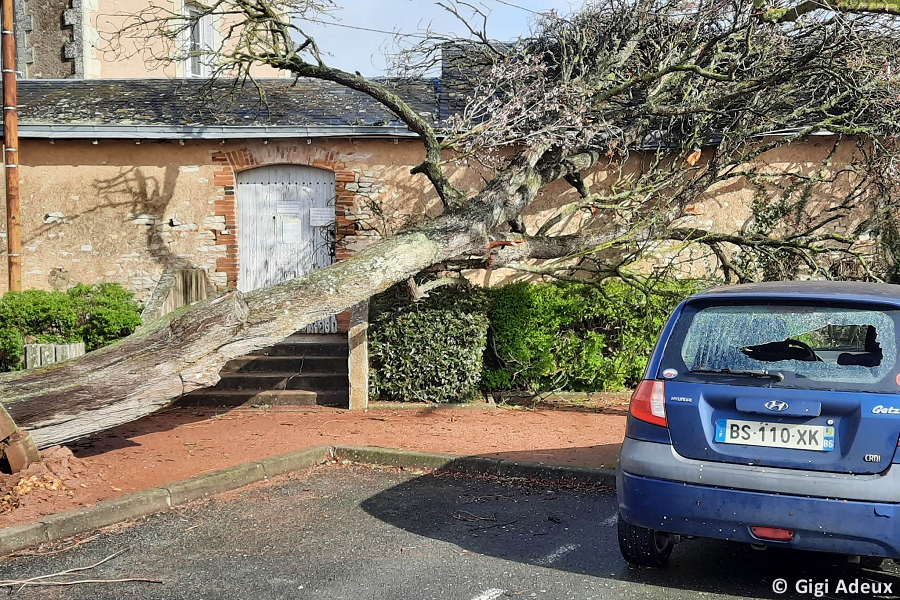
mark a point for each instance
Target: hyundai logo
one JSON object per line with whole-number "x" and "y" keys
{"x": 777, "y": 405}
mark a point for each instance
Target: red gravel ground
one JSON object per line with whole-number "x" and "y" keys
{"x": 179, "y": 443}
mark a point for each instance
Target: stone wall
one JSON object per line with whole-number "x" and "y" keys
{"x": 127, "y": 212}
{"x": 114, "y": 211}
{"x": 45, "y": 33}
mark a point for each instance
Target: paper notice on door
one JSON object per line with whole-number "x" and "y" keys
{"x": 321, "y": 217}
{"x": 292, "y": 200}
{"x": 291, "y": 229}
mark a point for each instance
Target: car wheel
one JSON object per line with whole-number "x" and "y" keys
{"x": 644, "y": 547}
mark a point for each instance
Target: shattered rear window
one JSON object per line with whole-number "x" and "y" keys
{"x": 801, "y": 346}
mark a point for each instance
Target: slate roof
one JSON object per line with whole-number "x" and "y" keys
{"x": 193, "y": 102}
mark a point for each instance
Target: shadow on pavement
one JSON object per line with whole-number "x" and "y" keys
{"x": 597, "y": 457}
{"x": 572, "y": 528}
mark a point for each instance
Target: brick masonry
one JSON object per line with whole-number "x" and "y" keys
{"x": 354, "y": 186}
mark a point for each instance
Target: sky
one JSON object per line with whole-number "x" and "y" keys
{"x": 363, "y": 51}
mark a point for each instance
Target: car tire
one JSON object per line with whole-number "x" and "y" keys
{"x": 871, "y": 562}
{"x": 644, "y": 547}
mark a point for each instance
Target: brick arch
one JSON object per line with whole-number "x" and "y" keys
{"x": 304, "y": 155}
{"x": 243, "y": 159}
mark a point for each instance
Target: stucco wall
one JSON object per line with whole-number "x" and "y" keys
{"x": 126, "y": 212}
{"x": 132, "y": 57}
{"x": 113, "y": 212}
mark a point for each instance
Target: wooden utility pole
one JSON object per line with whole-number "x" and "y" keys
{"x": 11, "y": 146}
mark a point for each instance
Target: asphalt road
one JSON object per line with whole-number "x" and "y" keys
{"x": 357, "y": 533}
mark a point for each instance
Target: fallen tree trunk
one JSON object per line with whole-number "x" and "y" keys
{"x": 185, "y": 351}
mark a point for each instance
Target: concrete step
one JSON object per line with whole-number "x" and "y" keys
{"x": 303, "y": 370}
{"x": 284, "y": 381}
{"x": 287, "y": 364}
{"x": 235, "y": 398}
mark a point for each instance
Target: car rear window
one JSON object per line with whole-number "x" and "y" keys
{"x": 787, "y": 345}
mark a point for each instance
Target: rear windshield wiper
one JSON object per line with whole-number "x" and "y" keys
{"x": 776, "y": 375}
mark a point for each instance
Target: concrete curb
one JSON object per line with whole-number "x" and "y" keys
{"x": 108, "y": 512}
{"x": 139, "y": 504}
{"x": 475, "y": 464}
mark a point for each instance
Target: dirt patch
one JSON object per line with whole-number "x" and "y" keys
{"x": 176, "y": 444}
{"x": 48, "y": 486}
{"x": 604, "y": 402}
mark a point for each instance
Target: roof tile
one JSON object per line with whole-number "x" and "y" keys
{"x": 199, "y": 102}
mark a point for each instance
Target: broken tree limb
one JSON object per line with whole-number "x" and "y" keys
{"x": 78, "y": 582}
{"x": 419, "y": 291}
{"x": 7, "y": 425}
{"x": 507, "y": 249}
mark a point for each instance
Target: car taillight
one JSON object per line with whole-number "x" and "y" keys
{"x": 649, "y": 402}
{"x": 775, "y": 534}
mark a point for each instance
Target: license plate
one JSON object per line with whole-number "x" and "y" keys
{"x": 775, "y": 435}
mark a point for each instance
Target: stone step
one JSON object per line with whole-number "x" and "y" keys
{"x": 235, "y": 398}
{"x": 284, "y": 381}
{"x": 287, "y": 364}
{"x": 306, "y": 349}
{"x": 316, "y": 338}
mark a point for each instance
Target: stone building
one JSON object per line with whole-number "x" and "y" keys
{"x": 139, "y": 181}
{"x": 62, "y": 39}
{"x": 124, "y": 179}
{"x": 46, "y": 34}
{"x": 140, "y": 176}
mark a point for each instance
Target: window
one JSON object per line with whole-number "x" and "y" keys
{"x": 789, "y": 345}
{"x": 199, "y": 42}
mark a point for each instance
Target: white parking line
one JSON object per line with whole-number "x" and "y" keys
{"x": 491, "y": 594}
{"x": 609, "y": 522}
{"x": 559, "y": 553}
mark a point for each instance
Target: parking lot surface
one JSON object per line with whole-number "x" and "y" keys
{"x": 355, "y": 532}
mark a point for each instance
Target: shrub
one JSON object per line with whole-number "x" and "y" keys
{"x": 12, "y": 346}
{"x": 106, "y": 312}
{"x": 431, "y": 350}
{"x": 35, "y": 312}
{"x": 94, "y": 314}
{"x": 572, "y": 336}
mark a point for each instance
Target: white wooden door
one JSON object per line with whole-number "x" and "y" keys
{"x": 285, "y": 227}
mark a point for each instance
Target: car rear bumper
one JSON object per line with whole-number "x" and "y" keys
{"x": 660, "y": 461}
{"x": 838, "y": 526}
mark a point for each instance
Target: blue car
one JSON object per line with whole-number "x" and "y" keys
{"x": 769, "y": 414}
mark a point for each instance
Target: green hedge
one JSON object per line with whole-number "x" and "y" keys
{"x": 430, "y": 350}
{"x": 577, "y": 337}
{"x": 94, "y": 314}
{"x": 539, "y": 337}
